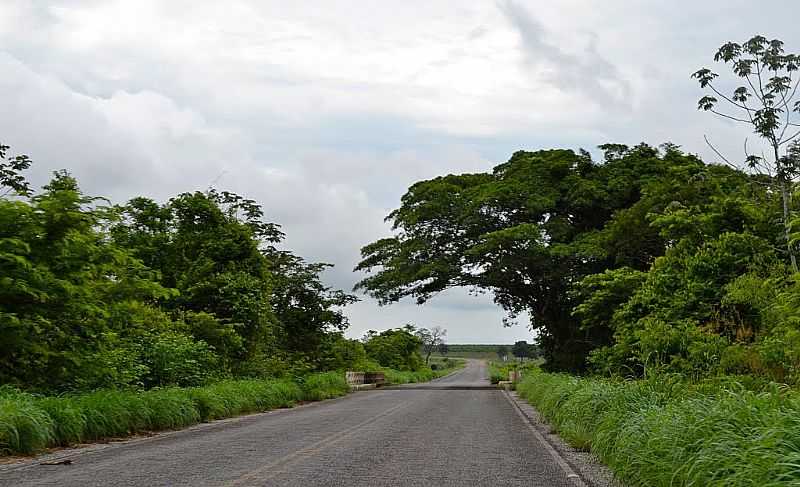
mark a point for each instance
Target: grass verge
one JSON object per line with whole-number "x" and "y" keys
{"x": 667, "y": 432}
{"x": 31, "y": 423}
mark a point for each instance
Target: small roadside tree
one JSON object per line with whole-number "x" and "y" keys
{"x": 431, "y": 339}
{"x": 502, "y": 352}
{"x": 396, "y": 348}
{"x": 765, "y": 101}
{"x": 521, "y": 349}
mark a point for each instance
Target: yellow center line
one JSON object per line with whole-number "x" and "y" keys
{"x": 314, "y": 447}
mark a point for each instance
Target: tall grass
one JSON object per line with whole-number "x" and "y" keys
{"x": 667, "y": 432}
{"x": 29, "y": 423}
{"x": 24, "y": 428}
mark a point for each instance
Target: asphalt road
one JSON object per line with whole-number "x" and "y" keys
{"x": 448, "y": 432}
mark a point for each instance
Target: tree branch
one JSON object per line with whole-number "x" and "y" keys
{"x": 792, "y": 137}
{"x": 705, "y": 137}
{"x": 794, "y": 91}
{"x": 785, "y": 103}
{"x": 730, "y": 116}
{"x": 732, "y": 102}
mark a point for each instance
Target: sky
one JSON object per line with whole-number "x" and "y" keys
{"x": 325, "y": 112}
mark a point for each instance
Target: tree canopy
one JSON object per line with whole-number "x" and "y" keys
{"x": 575, "y": 242}
{"x": 147, "y": 294}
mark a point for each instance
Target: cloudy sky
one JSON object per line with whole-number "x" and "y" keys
{"x": 325, "y": 112}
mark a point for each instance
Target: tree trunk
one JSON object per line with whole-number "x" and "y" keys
{"x": 786, "y": 197}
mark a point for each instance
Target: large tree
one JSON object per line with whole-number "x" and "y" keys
{"x": 528, "y": 231}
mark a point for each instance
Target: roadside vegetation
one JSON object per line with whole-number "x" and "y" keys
{"x": 665, "y": 431}
{"x": 398, "y": 354}
{"x": 500, "y": 371}
{"x": 438, "y": 368}
{"x": 669, "y": 283}
{"x": 118, "y": 319}
{"x": 30, "y": 423}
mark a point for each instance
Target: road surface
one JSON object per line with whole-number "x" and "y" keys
{"x": 447, "y": 432}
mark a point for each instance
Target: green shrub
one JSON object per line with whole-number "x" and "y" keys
{"x": 177, "y": 359}
{"x": 339, "y": 353}
{"x": 396, "y": 349}
{"x": 116, "y": 364}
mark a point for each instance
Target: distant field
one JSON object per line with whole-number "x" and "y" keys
{"x": 472, "y": 351}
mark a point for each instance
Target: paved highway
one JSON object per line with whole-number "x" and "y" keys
{"x": 447, "y": 432}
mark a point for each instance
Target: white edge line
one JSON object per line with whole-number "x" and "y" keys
{"x": 571, "y": 474}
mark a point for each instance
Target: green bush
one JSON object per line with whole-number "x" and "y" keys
{"x": 339, "y": 353}
{"x": 666, "y": 431}
{"x": 178, "y": 359}
{"x": 116, "y": 364}
{"x": 396, "y": 349}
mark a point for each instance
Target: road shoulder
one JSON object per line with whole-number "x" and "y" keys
{"x": 589, "y": 469}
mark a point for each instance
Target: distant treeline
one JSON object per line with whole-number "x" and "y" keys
{"x": 451, "y": 347}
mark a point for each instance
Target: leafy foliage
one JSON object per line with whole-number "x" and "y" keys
{"x": 523, "y": 349}
{"x": 650, "y": 261}
{"x": 396, "y": 348}
{"x": 150, "y": 295}
{"x": 528, "y": 231}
